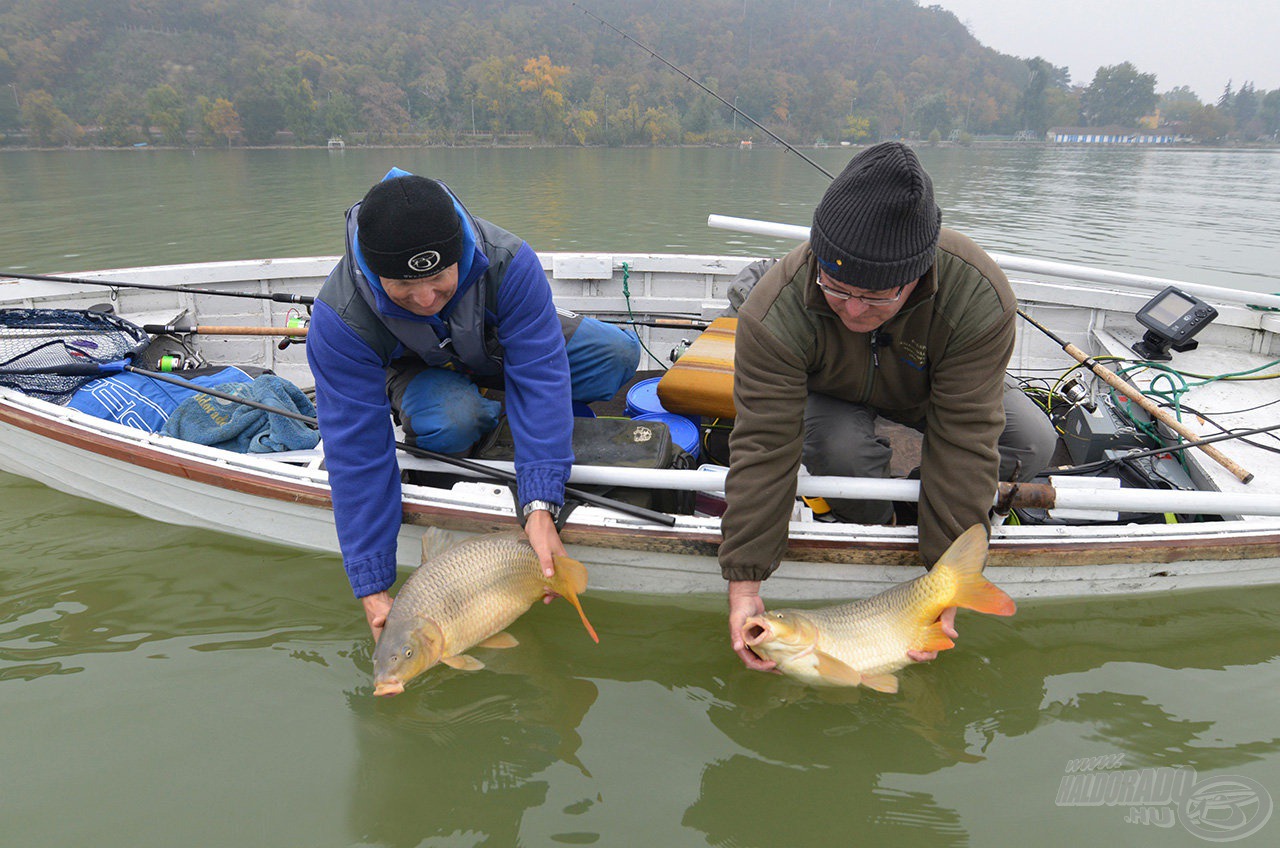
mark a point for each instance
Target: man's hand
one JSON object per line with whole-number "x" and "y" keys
{"x": 540, "y": 528}
{"x": 948, "y": 619}
{"x": 376, "y": 607}
{"x": 744, "y": 602}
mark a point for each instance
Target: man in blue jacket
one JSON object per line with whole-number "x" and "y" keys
{"x": 428, "y": 307}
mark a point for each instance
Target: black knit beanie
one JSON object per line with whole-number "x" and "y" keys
{"x": 408, "y": 228}
{"x": 877, "y": 225}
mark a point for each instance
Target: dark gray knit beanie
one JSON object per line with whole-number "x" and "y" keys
{"x": 877, "y": 225}
{"x": 408, "y": 228}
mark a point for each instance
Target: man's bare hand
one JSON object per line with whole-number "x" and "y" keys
{"x": 376, "y": 607}
{"x": 948, "y": 619}
{"x": 744, "y": 602}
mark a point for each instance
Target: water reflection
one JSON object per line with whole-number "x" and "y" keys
{"x": 1171, "y": 213}
{"x": 118, "y": 635}
{"x": 460, "y": 757}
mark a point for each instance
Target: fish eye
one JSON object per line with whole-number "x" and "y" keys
{"x": 777, "y": 615}
{"x": 408, "y": 652}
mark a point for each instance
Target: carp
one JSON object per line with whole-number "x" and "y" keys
{"x": 465, "y": 598}
{"x": 866, "y": 641}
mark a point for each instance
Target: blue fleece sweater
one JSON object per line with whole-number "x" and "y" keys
{"x": 355, "y": 413}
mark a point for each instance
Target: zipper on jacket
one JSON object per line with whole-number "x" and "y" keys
{"x": 874, "y": 339}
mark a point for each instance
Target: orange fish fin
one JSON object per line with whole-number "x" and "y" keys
{"x": 499, "y": 640}
{"x": 462, "y": 662}
{"x": 887, "y": 683}
{"x": 571, "y": 580}
{"x": 965, "y": 560}
{"x": 837, "y": 672}
{"x": 935, "y": 639}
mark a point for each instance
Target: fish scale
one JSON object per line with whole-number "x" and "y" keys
{"x": 461, "y": 599}
{"x": 865, "y": 641}
{"x": 475, "y": 592}
{"x": 874, "y": 635}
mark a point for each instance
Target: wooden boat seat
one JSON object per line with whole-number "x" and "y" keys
{"x": 701, "y": 381}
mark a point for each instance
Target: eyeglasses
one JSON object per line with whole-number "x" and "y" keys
{"x": 860, "y": 298}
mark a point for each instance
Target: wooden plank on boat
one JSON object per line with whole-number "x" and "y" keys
{"x": 701, "y": 381}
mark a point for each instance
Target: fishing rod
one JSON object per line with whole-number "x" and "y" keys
{"x": 691, "y": 79}
{"x": 1149, "y": 406}
{"x": 183, "y": 330}
{"x": 93, "y": 369}
{"x": 278, "y": 297}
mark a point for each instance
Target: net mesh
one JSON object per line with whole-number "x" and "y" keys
{"x": 49, "y": 353}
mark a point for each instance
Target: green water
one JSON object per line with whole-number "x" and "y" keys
{"x": 161, "y": 686}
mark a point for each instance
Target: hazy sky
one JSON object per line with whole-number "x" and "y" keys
{"x": 1197, "y": 43}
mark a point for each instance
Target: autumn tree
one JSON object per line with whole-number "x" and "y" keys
{"x": 1209, "y": 123}
{"x": 336, "y": 115}
{"x": 1177, "y": 105}
{"x": 167, "y": 113}
{"x": 118, "y": 121}
{"x": 1119, "y": 95}
{"x": 47, "y": 124}
{"x": 932, "y": 114}
{"x": 496, "y": 82}
{"x": 542, "y": 80}
{"x": 299, "y": 105}
{"x": 221, "y": 118}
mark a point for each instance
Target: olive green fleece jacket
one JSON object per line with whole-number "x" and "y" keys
{"x": 939, "y": 365}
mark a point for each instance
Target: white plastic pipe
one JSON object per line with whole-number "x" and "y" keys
{"x": 870, "y": 488}
{"x": 1031, "y": 266}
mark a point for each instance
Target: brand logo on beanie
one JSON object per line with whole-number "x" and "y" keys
{"x": 424, "y": 262}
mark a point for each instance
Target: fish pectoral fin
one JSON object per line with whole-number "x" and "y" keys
{"x": 836, "y": 671}
{"x": 935, "y": 639}
{"x": 881, "y": 682}
{"x": 463, "y": 662}
{"x": 499, "y": 640}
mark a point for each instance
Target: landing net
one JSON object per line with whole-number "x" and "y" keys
{"x": 49, "y": 353}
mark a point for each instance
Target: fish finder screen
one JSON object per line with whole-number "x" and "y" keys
{"x": 1170, "y": 308}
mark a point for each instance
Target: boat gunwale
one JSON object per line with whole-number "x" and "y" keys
{"x": 1208, "y": 541}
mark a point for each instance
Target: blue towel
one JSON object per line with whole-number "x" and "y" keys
{"x": 142, "y": 402}
{"x": 232, "y": 426}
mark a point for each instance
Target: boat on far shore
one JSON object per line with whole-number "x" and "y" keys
{"x": 1079, "y": 536}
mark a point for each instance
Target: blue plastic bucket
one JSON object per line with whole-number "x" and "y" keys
{"x": 642, "y": 398}
{"x": 684, "y": 432}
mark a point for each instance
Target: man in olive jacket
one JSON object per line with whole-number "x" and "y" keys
{"x": 882, "y": 312}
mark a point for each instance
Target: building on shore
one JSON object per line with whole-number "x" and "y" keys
{"x": 1113, "y": 135}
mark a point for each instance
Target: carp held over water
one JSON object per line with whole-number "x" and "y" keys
{"x": 465, "y": 598}
{"x": 865, "y": 642}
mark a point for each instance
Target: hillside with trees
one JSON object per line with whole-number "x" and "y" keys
{"x": 230, "y": 72}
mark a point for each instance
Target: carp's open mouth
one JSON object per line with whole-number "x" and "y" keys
{"x": 385, "y": 688}
{"x": 755, "y": 632}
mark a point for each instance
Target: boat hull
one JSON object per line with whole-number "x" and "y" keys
{"x": 194, "y": 487}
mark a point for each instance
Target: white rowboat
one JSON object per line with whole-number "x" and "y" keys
{"x": 284, "y": 499}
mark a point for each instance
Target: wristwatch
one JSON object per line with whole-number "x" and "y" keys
{"x": 554, "y": 509}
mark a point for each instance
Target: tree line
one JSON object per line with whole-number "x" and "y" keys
{"x": 259, "y": 72}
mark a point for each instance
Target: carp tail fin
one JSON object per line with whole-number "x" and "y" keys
{"x": 570, "y": 580}
{"x": 964, "y": 560}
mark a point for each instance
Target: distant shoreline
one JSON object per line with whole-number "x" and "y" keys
{"x": 976, "y": 143}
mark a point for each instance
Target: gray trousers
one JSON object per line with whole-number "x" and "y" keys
{"x": 840, "y": 440}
